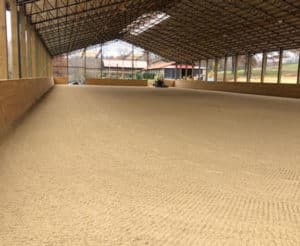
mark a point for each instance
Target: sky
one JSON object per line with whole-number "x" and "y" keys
{"x": 8, "y": 25}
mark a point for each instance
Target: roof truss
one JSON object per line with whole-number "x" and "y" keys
{"x": 195, "y": 30}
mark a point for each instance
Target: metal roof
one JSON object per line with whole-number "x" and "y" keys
{"x": 195, "y": 30}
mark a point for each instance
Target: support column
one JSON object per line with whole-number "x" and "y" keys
{"x": 84, "y": 53}
{"x": 45, "y": 62}
{"x": 40, "y": 63}
{"x": 29, "y": 54}
{"x": 148, "y": 59}
{"x": 206, "y": 71}
{"x": 68, "y": 65}
{"x": 225, "y": 69}
{"x": 50, "y": 65}
{"x": 101, "y": 61}
{"x": 298, "y": 77}
{"x": 249, "y": 67}
{"x": 186, "y": 70}
{"x": 279, "y": 66}
{"x": 34, "y": 53}
{"x": 37, "y": 54}
{"x": 263, "y": 69}
{"x": 199, "y": 70}
{"x": 22, "y": 40}
{"x": 193, "y": 68}
{"x": 132, "y": 62}
{"x": 235, "y": 67}
{"x": 3, "y": 42}
{"x": 181, "y": 71}
{"x": 15, "y": 37}
{"x": 40, "y": 59}
{"x": 216, "y": 70}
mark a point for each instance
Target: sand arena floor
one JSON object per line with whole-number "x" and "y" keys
{"x": 141, "y": 166}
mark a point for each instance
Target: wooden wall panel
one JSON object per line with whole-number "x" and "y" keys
{"x": 279, "y": 90}
{"x": 170, "y": 83}
{"x": 117, "y": 82}
{"x": 61, "y": 80}
{"x": 17, "y": 96}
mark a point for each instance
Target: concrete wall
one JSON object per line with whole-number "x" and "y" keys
{"x": 17, "y": 96}
{"x": 117, "y": 82}
{"x": 280, "y": 90}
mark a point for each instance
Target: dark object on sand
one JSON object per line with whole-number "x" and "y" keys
{"x": 76, "y": 82}
{"x": 160, "y": 84}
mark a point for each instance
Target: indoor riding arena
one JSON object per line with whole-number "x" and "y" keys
{"x": 149, "y": 122}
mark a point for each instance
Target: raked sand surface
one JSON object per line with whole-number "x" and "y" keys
{"x": 144, "y": 166}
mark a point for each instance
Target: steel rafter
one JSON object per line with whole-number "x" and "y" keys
{"x": 195, "y": 29}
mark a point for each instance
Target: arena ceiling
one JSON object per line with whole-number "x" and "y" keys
{"x": 190, "y": 30}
